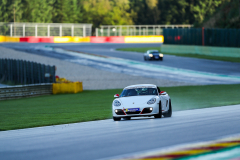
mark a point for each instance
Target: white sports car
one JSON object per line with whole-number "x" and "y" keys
{"x": 141, "y": 100}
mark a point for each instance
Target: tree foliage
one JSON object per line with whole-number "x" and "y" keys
{"x": 109, "y": 12}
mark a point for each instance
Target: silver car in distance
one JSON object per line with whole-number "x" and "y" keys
{"x": 153, "y": 55}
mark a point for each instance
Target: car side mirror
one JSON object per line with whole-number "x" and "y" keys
{"x": 116, "y": 95}
{"x": 163, "y": 93}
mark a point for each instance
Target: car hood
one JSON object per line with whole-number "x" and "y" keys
{"x": 135, "y": 100}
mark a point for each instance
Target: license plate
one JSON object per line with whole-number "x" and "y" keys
{"x": 132, "y": 109}
{"x": 156, "y": 57}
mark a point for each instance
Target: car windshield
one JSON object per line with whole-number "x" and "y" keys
{"x": 138, "y": 92}
{"x": 154, "y": 52}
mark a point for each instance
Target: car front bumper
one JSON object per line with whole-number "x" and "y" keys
{"x": 144, "y": 111}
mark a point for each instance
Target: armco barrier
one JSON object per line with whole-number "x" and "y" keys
{"x": 30, "y": 39}
{"x": 71, "y": 87}
{"x": 12, "y": 39}
{"x": 85, "y": 39}
{"x": 46, "y": 40}
{"x": 77, "y": 39}
{"x": 115, "y": 39}
{"x": 2, "y": 38}
{"x": 92, "y": 39}
{"x": 143, "y": 39}
{"x": 80, "y": 39}
{"x": 65, "y": 39}
{"x": 98, "y": 39}
{"x": 14, "y": 92}
{"x": 201, "y": 50}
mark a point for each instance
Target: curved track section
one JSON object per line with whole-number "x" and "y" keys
{"x": 105, "y": 139}
{"x": 196, "y": 64}
{"x": 104, "y": 56}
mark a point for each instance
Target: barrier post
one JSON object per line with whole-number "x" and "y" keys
{"x": 11, "y": 30}
{"x": 60, "y": 30}
{"x": 84, "y": 31}
{"x": 35, "y": 30}
{"x": 72, "y": 31}
{"x": 23, "y": 30}
{"x": 48, "y": 30}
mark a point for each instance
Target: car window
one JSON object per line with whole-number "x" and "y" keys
{"x": 139, "y": 92}
{"x": 154, "y": 52}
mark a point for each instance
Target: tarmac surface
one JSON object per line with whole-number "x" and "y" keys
{"x": 108, "y": 49}
{"x": 192, "y": 71}
{"x": 196, "y": 64}
{"x": 107, "y": 139}
{"x": 93, "y": 78}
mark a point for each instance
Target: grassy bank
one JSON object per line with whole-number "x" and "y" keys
{"x": 144, "y": 49}
{"x": 96, "y": 105}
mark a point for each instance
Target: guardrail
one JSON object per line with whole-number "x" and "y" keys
{"x": 135, "y": 30}
{"x": 45, "y": 29}
{"x": 14, "y": 92}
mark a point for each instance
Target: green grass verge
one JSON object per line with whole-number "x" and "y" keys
{"x": 96, "y": 105}
{"x": 144, "y": 49}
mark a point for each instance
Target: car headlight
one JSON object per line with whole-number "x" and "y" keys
{"x": 150, "y": 55}
{"x": 160, "y": 55}
{"x": 116, "y": 103}
{"x": 151, "y": 101}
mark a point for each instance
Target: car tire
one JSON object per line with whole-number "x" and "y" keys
{"x": 159, "y": 115}
{"x": 116, "y": 119}
{"x": 127, "y": 118}
{"x": 169, "y": 113}
{"x": 160, "y": 59}
{"x": 145, "y": 59}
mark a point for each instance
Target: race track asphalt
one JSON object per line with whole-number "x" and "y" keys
{"x": 108, "y": 49}
{"x": 196, "y": 64}
{"x": 106, "y": 139}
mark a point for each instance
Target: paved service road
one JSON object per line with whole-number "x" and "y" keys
{"x": 106, "y": 138}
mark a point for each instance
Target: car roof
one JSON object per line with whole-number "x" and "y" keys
{"x": 141, "y": 85}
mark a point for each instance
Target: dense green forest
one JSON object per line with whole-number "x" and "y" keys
{"x": 110, "y": 12}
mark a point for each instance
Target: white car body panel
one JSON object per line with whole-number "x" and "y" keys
{"x": 140, "y": 101}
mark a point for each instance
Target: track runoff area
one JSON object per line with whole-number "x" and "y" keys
{"x": 139, "y": 137}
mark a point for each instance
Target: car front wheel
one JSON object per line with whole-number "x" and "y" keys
{"x": 116, "y": 119}
{"x": 159, "y": 115}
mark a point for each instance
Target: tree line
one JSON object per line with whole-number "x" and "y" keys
{"x": 108, "y": 12}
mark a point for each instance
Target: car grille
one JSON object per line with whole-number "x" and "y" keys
{"x": 136, "y": 112}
